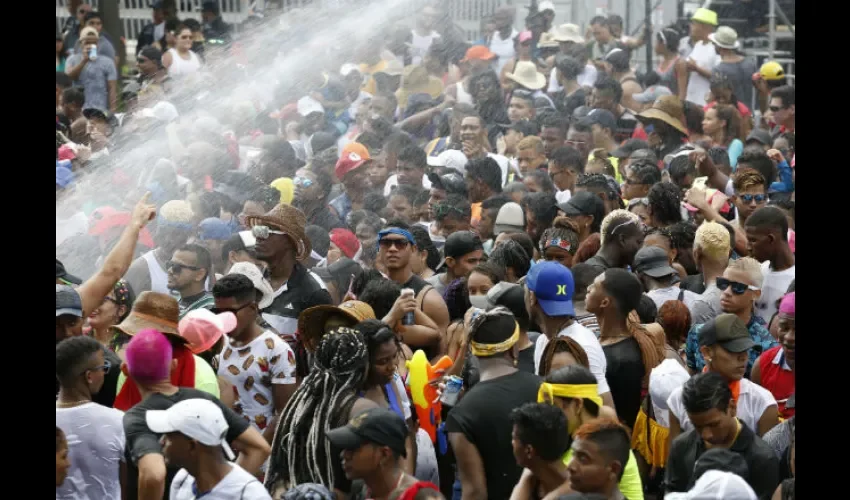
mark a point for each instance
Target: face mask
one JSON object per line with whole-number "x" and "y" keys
{"x": 479, "y": 301}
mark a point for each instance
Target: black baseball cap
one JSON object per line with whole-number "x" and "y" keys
{"x": 451, "y": 183}
{"x": 629, "y": 147}
{"x": 583, "y": 203}
{"x": 377, "y": 426}
{"x": 761, "y": 136}
{"x": 653, "y": 262}
{"x": 601, "y": 117}
{"x": 723, "y": 460}
{"x": 728, "y": 331}
{"x": 106, "y": 116}
{"x": 459, "y": 244}
{"x": 62, "y": 274}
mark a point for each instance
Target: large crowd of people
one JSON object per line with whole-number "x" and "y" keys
{"x": 420, "y": 266}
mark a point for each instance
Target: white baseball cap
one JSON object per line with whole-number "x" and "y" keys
{"x": 198, "y": 419}
{"x": 253, "y": 273}
{"x": 716, "y": 485}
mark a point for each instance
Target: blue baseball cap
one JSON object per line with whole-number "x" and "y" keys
{"x": 64, "y": 176}
{"x": 213, "y": 228}
{"x": 553, "y": 285}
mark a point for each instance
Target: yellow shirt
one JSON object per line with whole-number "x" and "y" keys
{"x": 205, "y": 379}
{"x": 630, "y": 485}
{"x": 367, "y": 71}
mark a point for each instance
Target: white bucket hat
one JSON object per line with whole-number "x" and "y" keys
{"x": 568, "y": 33}
{"x": 725, "y": 38}
{"x": 526, "y": 74}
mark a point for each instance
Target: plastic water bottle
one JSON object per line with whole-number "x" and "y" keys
{"x": 408, "y": 317}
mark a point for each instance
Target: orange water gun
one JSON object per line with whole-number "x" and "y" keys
{"x": 419, "y": 373}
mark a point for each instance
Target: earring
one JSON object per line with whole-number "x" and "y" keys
{"x": 516, "y": 362}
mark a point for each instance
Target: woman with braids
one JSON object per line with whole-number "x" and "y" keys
{"x": 326, "y": 399}
{"x": 630, "y": 352}
{"x": 479, "y": 426}
{"x": 561, "y": 352}
{"x": 722, "y": 124}
{"x": 573, "y": 389}
{"x": 665, "y": 204}
{"x": 560, "y": 242}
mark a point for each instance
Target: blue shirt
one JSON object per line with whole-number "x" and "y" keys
{"x": 758, "y": 332}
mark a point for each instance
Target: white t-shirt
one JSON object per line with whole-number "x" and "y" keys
{"x": 96, "y": 441}
{"x": 504, "y": 48}
{"x": 662, "y": 295}
{"x": 562, "y": 196}
{"x": 663, "y": 380}
{"x": 392, "y": 182}
{"x": 773, "y": 288}
{"x": 753, "y": 400}
{"x": 237, "y": 484}
{"x": 588, "y": 341}
{"x": 706, "y": 58}
{"x": 419, "y": 45}
{"x": 253, "y": 370}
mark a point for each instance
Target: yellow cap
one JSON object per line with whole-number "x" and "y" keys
{"x": 286, "y": 188}
{"x": 772, "y": 70}
{"x": 705, "y": 16}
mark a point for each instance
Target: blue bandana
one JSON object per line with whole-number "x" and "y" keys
{"x": 398, "y": 231}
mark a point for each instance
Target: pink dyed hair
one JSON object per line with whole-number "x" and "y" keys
{"x": 148, "y": 357}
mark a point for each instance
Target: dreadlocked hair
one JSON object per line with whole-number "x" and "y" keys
{"x": 682, "y": 235}
{"x": 665, "y": 200}
{"x": 300, "y": 451}
{"x": 564, "y": 229}
{"x": 559, "y": 345}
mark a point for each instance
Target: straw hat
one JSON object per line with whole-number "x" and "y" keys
{"x": 311, "y": 323}
{"x": 725, "y": 38}
{"x": 526, "y": 74}
{"x": 667, "y": 109}
{"x": 291, "y": 221}
{"x": 153, "y": 310}
{"x": 416, "y": 80}
{"x": 568, "y": 33}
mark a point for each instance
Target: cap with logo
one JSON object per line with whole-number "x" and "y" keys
{"x": 378, "y": 426}
{"x": 553, "y": 286}
{"x": 353, "y": 156}
{"x": 728, "y": 331}
{"x": 771, "y": 71}
{"x": 583, "y": 203}
{"x": 601, "y": 117}
{"x": 653, "y": 262}
{"x": 68, "y": 302}
{"x": 198, "y": 419}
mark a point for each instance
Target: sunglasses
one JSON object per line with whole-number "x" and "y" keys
{"x": 302, "y": 181}
{"x": 387, "y": 244}
{"x": 142, "y": 60}
{"x": 178, "y": 268}
{"x": 219, "y": 310}
{"x": 264, "y": 232}
{"x": 748, "y": 198}
{"x": 104, "y": 367}
{"x": 737, "y": 288}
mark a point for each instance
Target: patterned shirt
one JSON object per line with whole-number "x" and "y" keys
{"x": 202, "y": 301}
{"x": 253, "y": 370}
{"x": 758, "y": 332}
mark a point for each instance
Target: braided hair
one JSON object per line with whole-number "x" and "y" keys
{"x": 665, "y": 201}
{"x": 559, "y": 345}
{"x": 300, "y": 452}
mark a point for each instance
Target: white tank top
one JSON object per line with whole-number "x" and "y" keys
{"x": 181, "y": 67}
{"x": 159, "y": 278}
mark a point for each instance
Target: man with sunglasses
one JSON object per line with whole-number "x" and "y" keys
{"x": 783, "y": 109}
{"x": 188, "y": 273}
{"x": 259, "y": 364}
{"x": 97, "y": 451}
{"x": 312, "y": 188}
{"x": 430, "y": 314}
{"x": 740, "y": 287}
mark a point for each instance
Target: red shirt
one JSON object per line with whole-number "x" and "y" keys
{"x": 777, "y": 378}
{"x": 743, "y": 109}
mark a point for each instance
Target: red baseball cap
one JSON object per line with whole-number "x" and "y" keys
{"x": 354, "y": 155}
{"x": 202, "y": 328}
{"x": 103, "y": 219}
{"x": 346, "y": 241}
{"x": 479, "y": 52}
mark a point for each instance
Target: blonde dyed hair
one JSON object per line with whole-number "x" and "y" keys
{"x": 616, "y": 219}
{"x": 751, "y": 267}
{"x": 714, "y": 241}
{"x": 531, "y": 142}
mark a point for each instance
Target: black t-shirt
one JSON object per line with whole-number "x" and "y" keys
{"x": 624, "y": 374}
{"x": 525, "y": 363}
{"x": 694, "y": 283}
{"x": 483, "y": 416}
{"x": 142, "y": 441}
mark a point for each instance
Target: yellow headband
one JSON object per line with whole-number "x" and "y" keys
{"x": 583, "y": 391}
{"x": 486, "y": 350}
